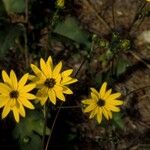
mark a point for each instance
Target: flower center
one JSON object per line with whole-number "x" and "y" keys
{"x": 101, "y": 103}
{"x": 14, "y": 94}
{"x": 50, "y": 82}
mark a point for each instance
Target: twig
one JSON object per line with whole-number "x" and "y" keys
{"x": 66, "y": 107}
{"x": 45, "y": 124}
{"x": 139, "y": 59}
{"x": 49, "y": 138}
{"x": 98, "y": 15}
{"x": 137, "y": 16}
{"x": 148, "y": 86}
{"x": 113, "y": 14}
{"x": 25, "y": 34}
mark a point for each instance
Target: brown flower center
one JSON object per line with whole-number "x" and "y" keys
{"x": 101, "y": 103}
{"x": 50, "y": 82}
{"x": 14, "y": 94}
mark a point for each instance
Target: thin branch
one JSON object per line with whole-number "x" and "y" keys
{"x": 139, "y": 59}
{"x": 52, "y": 128}
{"x": 26, "y": 11}
{"x": 136, "y": 90}
{"x": 98, "y": 15}
{"x": 137, "y": 16}
{"x": 113, "y": 14}
{"x": 25, "y": 34}
{"x": 45, "y": 124}
{"x": 66, "y": 107}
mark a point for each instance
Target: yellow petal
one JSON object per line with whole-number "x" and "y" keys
{"x": 116, "y": 102}
{"x": 27, "y": 88}
{"x": 57, "y": 78}
{"x": 87, "y": 101}
{"x": 26, "y": 103}
{"x": 43, "y": 100}
{"x": 67, "y": 73}
{"x": 57, "y": 69}
{"x": 42, "y": 92}
{"x": 60, "y": 95}
{"x": 21, "y": 110}
{"x": 3, "y": 100}
{"x": 113, "y": 108}
{"x": 16, "y": 114}
{"x": 31, "y": 77}
{"x": 28, "y": 96}
{"x": 103, "y": 89}
{"x": 105, "y": 113}
{"x": 4, "y": 89}
{"x": 38, "y": 72}
{"x": 13, "y": 79}
{"x": 66, "y": 79}
{"x": 70, "y": 81}
{"x": 23, "y": 81}
{"x": 94, "y": 97}
{"x": 47, "y": 71}
{"x": 42, "y": 95}
{"x": 107, "y": 94}
{"x": 109, "y": 114}
{"x": 49, "y": 63}
{"x": 6, "y": 110}
{"x": 114, "y": 96}
{"x": 52, "y": 96}
{"x": 66, "y": 90}
{"x": 93, "y": 113}
{"x": 6, "y": 78}
{"x": 94, "y": 91}
{"x": 58, "y": 88}
{"x": 99, "y": 115}
{"x": 90, "y": 107}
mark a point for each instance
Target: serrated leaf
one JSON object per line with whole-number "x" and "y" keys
{"x": 70, "y": 29}
{"x": 16, "y": 6}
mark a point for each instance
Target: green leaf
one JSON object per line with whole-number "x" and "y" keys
{"x": 117, "y": 120}
{"x": 71, "y": 29}
{"x": 122, "y": 66}
{"x": 16, "y": 6}
{"x": 8, "y": 35}
{"x": 29, "y": 129}
{"x": 32, "y": 142}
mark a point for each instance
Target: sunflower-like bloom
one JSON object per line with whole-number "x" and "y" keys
{"x": 60, "y": 3}
{"x": 51, "y": 82}
{"x": 14, "y": 95}
{"x": 102, "y": 102}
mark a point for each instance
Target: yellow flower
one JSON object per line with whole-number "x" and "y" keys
{"x": 60, "y": 3}
{"x": 51, "y": 82}
{"x": 148, "y": 0}
{"x": 102, "y": 102}
{"x": 14, "y": 95}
